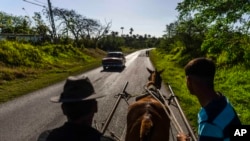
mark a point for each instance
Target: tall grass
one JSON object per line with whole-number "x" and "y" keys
{"x": 233, "y": 82}
{"x": 25, "y": 68}
{"x": 174, "y": 75}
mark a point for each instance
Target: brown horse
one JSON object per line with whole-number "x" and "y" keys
{"x": 146, "y": 118}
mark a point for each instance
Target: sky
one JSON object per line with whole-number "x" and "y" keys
{"x": 144, "y": 16}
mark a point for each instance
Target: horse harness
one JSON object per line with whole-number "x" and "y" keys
{"x": 152, "y": 90}
{"x": 155, "y": 93}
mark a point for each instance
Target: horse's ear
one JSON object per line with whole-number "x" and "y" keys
{"x": 149, "y": 70}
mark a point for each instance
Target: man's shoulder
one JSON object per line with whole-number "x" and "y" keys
{"x": 106, "y": 138}
{"x": 66, "y": 133}
{"x": 52, "y": 135}
{"x": 44, "y": 135}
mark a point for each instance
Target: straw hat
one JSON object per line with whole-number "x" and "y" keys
{"x": 77, "y": 89}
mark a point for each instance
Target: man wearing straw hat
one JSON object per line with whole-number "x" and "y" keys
{"x": 79, "y": 105}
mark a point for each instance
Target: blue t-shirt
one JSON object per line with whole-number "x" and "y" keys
{"x": 215, "y": 120}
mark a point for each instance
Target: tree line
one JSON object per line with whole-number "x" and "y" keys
{"x": 216, "y": 29}
{"x": 74, "y": 28}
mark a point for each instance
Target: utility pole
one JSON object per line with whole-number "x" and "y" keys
{"x": 52, "y": 21}
{"x": 51, "y": 18}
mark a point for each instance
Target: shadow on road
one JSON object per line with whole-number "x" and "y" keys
{"x": 113, "y": 70}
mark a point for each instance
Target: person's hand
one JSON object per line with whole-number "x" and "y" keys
{"x": 182, "y": 137}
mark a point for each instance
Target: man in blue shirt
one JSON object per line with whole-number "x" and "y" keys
{"x": 216, "y": 115}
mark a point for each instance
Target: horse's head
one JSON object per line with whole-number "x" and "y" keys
{"x": 155, "y": 78}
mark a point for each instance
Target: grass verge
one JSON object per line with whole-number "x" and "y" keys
{"x": 18, "y": 87}
{"x": 232, "y": 82}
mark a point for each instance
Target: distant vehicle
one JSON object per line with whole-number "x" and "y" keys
{"x": 147, "y": 53}
{"x": 114, "y": 60}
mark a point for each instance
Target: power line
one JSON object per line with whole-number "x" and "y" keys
{"x": 35, "y": 3}
{"x": 50, "y": 15}
{"x": 39, "y": 2}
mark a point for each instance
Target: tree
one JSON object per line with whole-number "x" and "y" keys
{"x": 40, "y": 27}
{"x": 122, "y": 31}
{"x": 21, "y": 25}
{"x": 171, "y": 29}
{"x": 6, "y": 23}
{"x": 222, "y": 27}
{"x": 214, "y": 11}
{"x": 102, "y": 32}
{"x": 131, "y": 30}
{"x": 14, "y": 24}
{"x": 79, "y": 26}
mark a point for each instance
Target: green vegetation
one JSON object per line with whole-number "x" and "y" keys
{"x": 232, "y": 82}
{"x": 215, "y": 29}
{"x": 24, "y": 67}
{"x": 218, "y": 30}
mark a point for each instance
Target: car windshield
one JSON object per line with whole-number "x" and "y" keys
{"x": 115, "y": 55}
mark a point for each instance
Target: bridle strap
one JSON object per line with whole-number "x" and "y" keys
{"x": 172, "y": 118}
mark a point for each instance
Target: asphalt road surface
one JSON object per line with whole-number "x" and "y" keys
{"x": 24, "y": 118}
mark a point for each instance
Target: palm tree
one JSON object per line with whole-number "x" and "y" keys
{"x": 131, "y": 31}
{"x": 122, "y": 30}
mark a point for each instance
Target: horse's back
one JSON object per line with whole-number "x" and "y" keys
{"x": 147, "y": 120}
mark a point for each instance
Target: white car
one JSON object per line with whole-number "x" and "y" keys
{"x": 114, "y": 60}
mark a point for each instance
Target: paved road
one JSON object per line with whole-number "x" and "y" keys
{"x": 24, "y": 118}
